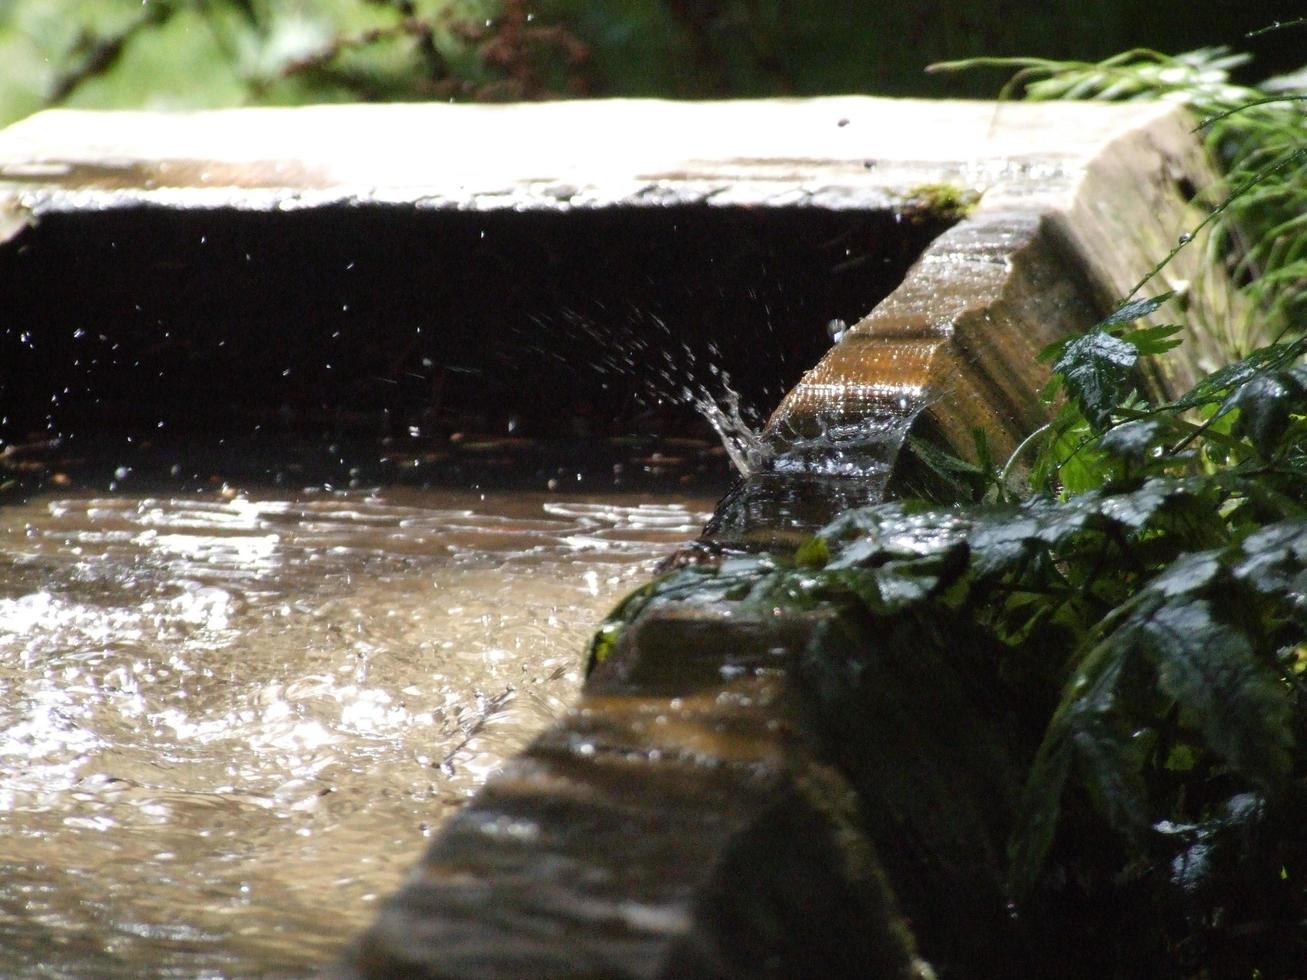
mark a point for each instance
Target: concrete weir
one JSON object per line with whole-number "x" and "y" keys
{"x": 734, "y": 794}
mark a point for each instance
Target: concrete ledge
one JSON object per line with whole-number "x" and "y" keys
{"x": 831, "y": 152}
{"x": 639, "y": 837}
{"x": 1046, "y": 252}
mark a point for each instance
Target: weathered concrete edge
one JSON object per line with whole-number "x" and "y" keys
{"x": 835, "y": 152}
{"x": 953, "y": 347}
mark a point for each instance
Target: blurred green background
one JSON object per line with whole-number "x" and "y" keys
{"x": 197, "y": 53}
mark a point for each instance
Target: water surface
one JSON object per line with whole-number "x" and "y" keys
{"x": 229, "y": 722}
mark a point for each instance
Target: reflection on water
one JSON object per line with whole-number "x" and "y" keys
{"x": 228, "y": 723}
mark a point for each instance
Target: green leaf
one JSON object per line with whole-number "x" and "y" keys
{"x": 1150, "y": 341}
{"x": 1096, "y": 369}
{"x": 873, "y": 535}
{"x": 1188, "y": 574}
{"x": 1109, "y": 762}
{"x": 1053, "y": 351}
{"x": 942, "y": 461}
{"x": 964, "y": 480}
{"x": 894, "y": 586}
{"x": 1265, "y": 404}
{"x": 1084, "y": 731}
{"x": 813, "y": 553}
{"x": 905, "y": 583}
{"x": 1215, "y": 386}
{"x": 1273, "y": 559}
{"x": 1140, "y": 507}
{"x": 1211, "y": 670}
{"x": 1136, "y": 310}
{"x": 1041, "y": 807}
{"x": 1000, "y": 546}
{"x": 1134, "y": 441}
{"x": 1070, "y": 460}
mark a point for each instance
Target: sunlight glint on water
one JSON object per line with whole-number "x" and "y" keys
{"x": 227, "y": 725}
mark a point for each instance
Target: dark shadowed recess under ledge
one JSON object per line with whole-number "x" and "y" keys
{"x": 392, "y": 344}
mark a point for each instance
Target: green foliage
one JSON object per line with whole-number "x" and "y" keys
{"x": 1155, "y": 650}
{"x": 204, "y": 53}
{"x": 1245, "y": 418}
{"x": 1096, "y": 370}
{"x": 1259, "y": 218}
{"x": 1148, "y": 603}
{"x": 187, "y": 53}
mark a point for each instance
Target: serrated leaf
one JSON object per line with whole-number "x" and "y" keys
{"x": 1041, "y": 807}
{"x": 1096, "y": 370}
{"x": 872, "y": 535}
{"x": 1053, "y": 351}
{"x": 1109, "y": 762}
{"x": 894, "y": 586}
{"x": 962, "y": 479}
{"x": 1150, "y": 341}
{"x": 905, "y": 583}
{"x": 1215, "y": 386}
{"x": 1188, "y": 574}
{"x": 1265, "y": 404}
{"x": 859, "y": 582}
{"x": 1134, "y": 441}
{"x": 1136, "y": 310}
{"x": 1140, "y": 507}
{"x": 941, "y": 461}
{"x": 1085, "y": 733}
{"x": 999, "y": 547}
{"x": 1071, "y": 456}
{"x": 1274, "y": 558}
{"x": 1210, "y": 669}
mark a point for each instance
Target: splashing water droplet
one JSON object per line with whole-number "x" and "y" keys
{"x": 743, "y": 443}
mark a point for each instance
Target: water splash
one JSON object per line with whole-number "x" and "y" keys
{"x": 639, "y": 344}
{"x": 743, "y": 443}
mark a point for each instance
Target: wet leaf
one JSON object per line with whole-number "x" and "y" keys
{"x": 1137, "y": 310}
{"x": 1140, "y": 507}
{"x": 1134, "y": 441}
{"x": 1210, "y": 669}
{"x": 999, "y": 546}
{"x": 1216, "y": 385}
{"x": 1151, "y": 341}
{"x": 1109, "y": 762}
{"x": 1265, "y": 404}
{"x": 941, "y": 461}
{"x": 1041, "y": 808}
{"x": 961, "y": 478}
{"x": 1188, "y": 574}
{"x": 1071, "y": 459}
{"x": 1274, "y": 558}
{"x": 1096, "y": 370}
{"x": 1083, "y": 732}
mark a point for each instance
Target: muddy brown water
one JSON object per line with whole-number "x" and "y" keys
{"x": 230, "y": 721}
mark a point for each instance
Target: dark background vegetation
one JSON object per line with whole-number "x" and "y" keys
{"x": 194, "y": 53}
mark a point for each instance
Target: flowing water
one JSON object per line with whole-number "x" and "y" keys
{"x": 228, "y": 722}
